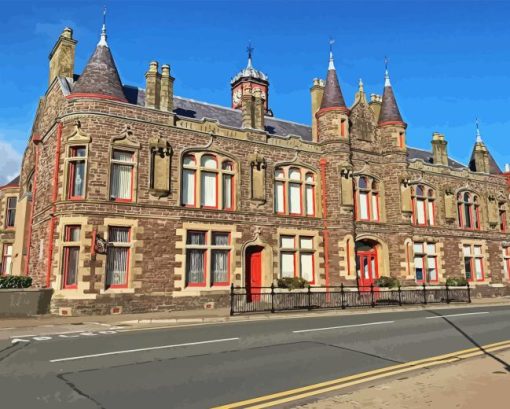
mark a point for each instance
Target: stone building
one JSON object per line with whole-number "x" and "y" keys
{"x": 136, "y": 199}
{"x": 8, "y": 202}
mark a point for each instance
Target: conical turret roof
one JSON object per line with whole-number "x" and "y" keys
{"x": 332, "y": 97}
{"x": 100, "y": 77}
{"x": 390, "y": 114}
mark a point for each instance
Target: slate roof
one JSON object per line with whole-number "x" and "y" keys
{"x": 426, "y": 156}
{"x": 493, "y": 166}
{"x": 13, "y": 182}
{"x": 100, "y": 76}
{"x": 389, "y": 107}
{"x": 332, "y": 93}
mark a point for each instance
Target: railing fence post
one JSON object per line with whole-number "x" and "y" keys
{"x": 399, "y": 295}
{"x": 342, "y": 295}
{"x": 424, "y": 294}
{"x": 469, "y": 293}
{"x": 447, "y": 294}
{"x": 372, "y": 294}
{"x": 309, "y": 298}
{"x": 272, "y": 298}
{"x": 231, "y": 299}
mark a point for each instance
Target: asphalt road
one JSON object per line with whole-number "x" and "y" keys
{"x": 208, "y": 365}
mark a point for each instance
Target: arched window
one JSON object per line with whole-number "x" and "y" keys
{"x": 367, "y": 199}
{"x": 424, "y": 207}
{"x": 502, "y": 216}
{"x": 294, "y": 191}
{"x": 208, "y": 181}
{"x": 468, "y": 207}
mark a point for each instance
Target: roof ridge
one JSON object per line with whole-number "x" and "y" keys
{"x": 430, "y": 151}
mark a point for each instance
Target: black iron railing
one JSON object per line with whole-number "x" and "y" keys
{"x": 273, "y": 299}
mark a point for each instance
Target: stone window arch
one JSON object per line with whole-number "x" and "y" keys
{"x": 295, "y": 191}
{"x": 367, "y": 199}
{"x": 424, "y": 205}
{"x": 468, "y": 210}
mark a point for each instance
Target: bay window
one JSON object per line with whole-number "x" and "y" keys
{"x": 425, "y": 262}
{"x": 294, "y": 191}
{"x": 117, "y": 257}
{"x": 297, "y": 257}
{"x": 207, "y": 258}
{"x": 215, "y": 177}
{"x": 10, "y": 212}
{"x": 6, "y": 267}
{"x": 76, "y": 167}
{"x": 71, "y": 256}
{"x": 122, "y": 175}
{"x": 468, "y": 209}
{"x": 473, "y": 262}
{"x": 423, "y": 205}
{"x": 367, "y": 199}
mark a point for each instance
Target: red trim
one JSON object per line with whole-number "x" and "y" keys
{"x": 95, "y": 96}
{"x": 72, "y": 170}
{"x": 348, "y": 255}
{"x": 132, "y": 187}
{"x": 322, "y": 111}
{"x": 323, "y": 163}
{"x": 220, "y": 283}
{"x": 51, "y": 230}
{"x": 203, "y": 283}
{"x": 502, "y": 217}
{"x": 93, "y": 242}
{"x": 342, "y": 128}
{"x": 232, "y": 196}
{"x": 389, "y": 123}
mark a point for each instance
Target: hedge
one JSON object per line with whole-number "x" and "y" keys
{"x": 15, "y": 282}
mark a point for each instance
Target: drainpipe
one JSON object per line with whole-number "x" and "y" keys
{"x": 51, "y": 230}
{"x": 36, "y": 139}
{"x": 325, "y": 231}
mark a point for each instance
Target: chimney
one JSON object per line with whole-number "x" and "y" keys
{"x": 247, "y": 110}
{"x": 258, "y": 109}
{"x": 439, "y": 152}
{"x": 375, "y": 103}
{"x": 316, "y": 92}
{"x": 167, "y": 89}
{"x": 152, "y": 86}
{"x": 62, "y": 56}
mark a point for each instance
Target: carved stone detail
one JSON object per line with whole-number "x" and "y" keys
{"x": 258, "y": 167}
{"x": 161, "y": 157}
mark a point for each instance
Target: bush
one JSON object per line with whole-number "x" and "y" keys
{"x": 15, "y": 282}
{"x": 387, "y": 282}
{"x": 456, "y": 281}
{"x": 292, "y": 283}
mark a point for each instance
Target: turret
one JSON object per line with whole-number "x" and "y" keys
{"x": 481, "y": 159}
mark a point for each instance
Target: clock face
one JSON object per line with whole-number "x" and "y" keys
{"x": 236, "y": 98}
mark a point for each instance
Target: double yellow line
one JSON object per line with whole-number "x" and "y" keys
{"x": 340, "y": 383}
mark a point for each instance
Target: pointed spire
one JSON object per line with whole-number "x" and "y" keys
{"x": 332, "y": 97}
{"x": 360, "y": 86}
{"x": 390, "y": 114}
{"x": 249, "y": 49}
{"x": 100, "y": 78}
{"x": 478, "y": 136}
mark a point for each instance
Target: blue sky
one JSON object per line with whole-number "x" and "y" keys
{"x": 449, "y": 60}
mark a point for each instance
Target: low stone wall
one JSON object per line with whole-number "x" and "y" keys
{"x": 486, "y": 291}
{"x": 24, "y": 302}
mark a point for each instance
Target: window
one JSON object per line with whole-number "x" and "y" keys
{"x": 216, "y": 178}
{"x": 473, "y": 262}
{"x": 506, "y": 262}
{"x": 502, "y": 217}
{"x": 6, "y": 267}
{"x": 122, "y": 175}
{"x": 367, "y": 199}
{"x": 468, "y": 211}
{"x": 71, "y": 260}
{"x": 424, "y": 208}
{"x": 294, "y": 191}
{"x": 425, "y": 262}
{"x": 208, "y": 258}
{"x": 10, "y": 213}
{"x": 297, "y": 257}
{"x": 76, "y": 164}
{"x": 117, "y": 257}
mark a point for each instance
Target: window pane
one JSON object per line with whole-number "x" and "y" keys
{"x": 362, "y": 183}
{"x": 227, "y": 191}
{"x": 478, "y": 269}
{"x": 220, "y": 239}
{"x": 309, "y": 178}
{"x": 219, "y": 266}
{"x": 420, "y": 211}
{"x": 73, "y": 233}
{"x": 11, "y": 211}
{"x": 431, "y": 248}
{"x": 121, "y": 181}
{"x": 418, "y": 266}
{"x": 122, "y": 156}
{"x": 208, "y": 189}
{"x": 116, "y": 266}
{"x": 295, "y": 174}
{"x": 196, "y": 238}
{"x": 477, "y": 250}
{"x": 375, "y": 207}
{"x": 78, "y": 176}
{"x": 418, "y": 248}
{"x": 78, "y": 151}
{"x": 431, "y": 267}
{"x": 209, "y": 161}
{"x": 195, "y": 273}
{"x": 279, "y": 197}
{"x": 295, "y": 198}
{"x": 188, "y": 187}
{"x": 72, "y": 255}
{"x": 467, "y": 216}
{"x": 307, "y": 266}
{"x": 7, "y": 259}
{"x": 310, "y": 205}
{"x": 306, "y": 243}
{"x": 118, "y": 234}
{"x": 467, "y": 250}
{"x": 431, "y": 213}
{"x": 363, "y": 205}
{"x": 279, "y": 174}
{"x": 227, "y": 166}
{"x": 287, "y": 242}
{"x": 287, "y": 268}
{"x": 188, "y": 160}
{"x": 467, "y": 267}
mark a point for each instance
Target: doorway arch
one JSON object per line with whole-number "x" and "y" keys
{"x": 370, "y": 261}
{"x": 253, "y": 271}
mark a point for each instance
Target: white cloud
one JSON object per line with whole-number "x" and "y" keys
{"x": 10, "y": 162}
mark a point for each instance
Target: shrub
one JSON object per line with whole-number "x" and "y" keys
{"x": 15, "y": 282}
{"x": 387, "y": 282}
{"x": 292, "y": 283}
{"x": 456, "y": 281}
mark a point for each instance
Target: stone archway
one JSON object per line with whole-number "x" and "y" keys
{"x": 371, "y": 260}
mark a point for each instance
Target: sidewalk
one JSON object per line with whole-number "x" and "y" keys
{"x": 472, "y": 384}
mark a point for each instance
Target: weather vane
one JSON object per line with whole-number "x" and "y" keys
{"x": 386, "y": 61}
{"x": 249, "y": 49}
{"x": 331, "y": 42}
{"x": 104, "y": 15}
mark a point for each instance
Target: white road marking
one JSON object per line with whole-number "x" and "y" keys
{"x": 128, "y": 351}
{"x": 343, "y": 326}
{"x": 457, "y": 315}
{"x": 23, "y": 336}
{"x": 16, "y": 340}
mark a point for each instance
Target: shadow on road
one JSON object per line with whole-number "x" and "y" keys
{"x": 505, "y": 364}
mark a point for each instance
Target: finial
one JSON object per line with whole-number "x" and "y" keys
{"x": 360, "y": 85}
{"x": 249, "y": 49}
{"x": 102, "y": 41}
{"x": 386, "y": 73}
{"x": 478, "y": 136}
{"x": 331, "y": 65}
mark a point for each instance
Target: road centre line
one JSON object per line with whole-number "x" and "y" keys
{"x": 457, "y": 315}
{"x": 128, "y": 351}
{"x": 343, "y": 326}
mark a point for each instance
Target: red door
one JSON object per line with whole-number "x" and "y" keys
{"x": 253, "y": 274}
{"x": 367, "y": 269}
